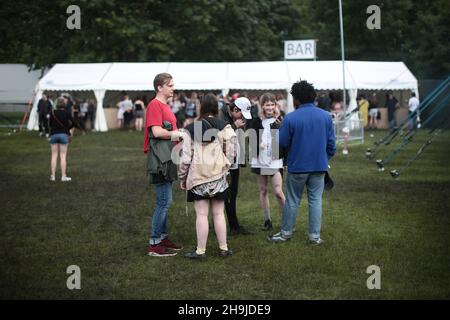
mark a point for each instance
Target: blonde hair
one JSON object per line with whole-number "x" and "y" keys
{"x": 60, "y": 103}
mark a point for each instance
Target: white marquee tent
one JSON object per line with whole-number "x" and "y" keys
{"x": 271, "y": 75}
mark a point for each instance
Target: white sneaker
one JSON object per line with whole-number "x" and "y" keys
{"x": 52, "y": 178}
{"x": 345, "y": 151}
{"x": 316, "y": 242}
{"x": 65, "y": 178}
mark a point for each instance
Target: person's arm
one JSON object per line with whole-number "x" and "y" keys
{"x": 187, "y": 152}
{"x": 161, "y": 133}
{"x": 331, "y": 143}
{"x": 285, "y": 134}
{"x": 70, "y": 120}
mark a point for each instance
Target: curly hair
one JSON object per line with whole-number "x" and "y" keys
{"x": 303, "y": 92}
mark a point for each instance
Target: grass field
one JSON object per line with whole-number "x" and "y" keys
{"x": 101, "y": 221}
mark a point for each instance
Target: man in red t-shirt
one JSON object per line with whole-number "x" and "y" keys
{"x": 158, "y": 112}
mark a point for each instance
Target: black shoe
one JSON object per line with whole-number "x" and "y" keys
{"x": 194, "y": 255}
{"x": 267, "y": 225}
{"x": 240, "y": 231}
{"x": 225, "y": 253}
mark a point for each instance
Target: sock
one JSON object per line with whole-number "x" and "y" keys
{"x": 224, "y": 247}
{"x": 200, "y": 251}
{"x": 267, "y": 214}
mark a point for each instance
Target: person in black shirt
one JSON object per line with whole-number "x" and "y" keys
{"x": 392, "y": 105}
{"x": 44, "y": 109}
{"x": 91, "y": 114}
{"x": 60, "y": 124}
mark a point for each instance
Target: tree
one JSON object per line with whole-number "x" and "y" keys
{"x": 412, "y": 31}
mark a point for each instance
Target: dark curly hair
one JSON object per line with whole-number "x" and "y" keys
{"x": 303, "y": 92}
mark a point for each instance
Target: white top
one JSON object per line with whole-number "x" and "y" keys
{"x": 413, "y": 103}
{"x": 264, "y": 159}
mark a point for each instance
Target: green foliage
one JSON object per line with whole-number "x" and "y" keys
{"x": 35, "y": 32}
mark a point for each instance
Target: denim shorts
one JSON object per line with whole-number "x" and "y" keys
{"x": 60, "y": 138}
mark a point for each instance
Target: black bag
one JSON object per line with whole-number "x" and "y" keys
{"x": 329, "y": 183}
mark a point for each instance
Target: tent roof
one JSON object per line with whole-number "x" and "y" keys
{"x": 229, "y": 75}
{"x": 17, "y": 83}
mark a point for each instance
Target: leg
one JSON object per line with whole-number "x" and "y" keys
{"x": 201, "y": 223}
{"x": 264, "y": 196}
{"x": 277, "y": 185}
{"x": 46, "y": 126}
{"x": 159, "y": 219}
{"x": 230, "y": 203}
{"x": 314, "y": 186}
{"x": 294, "y": 190}
{"x": 62, "y": 158}
{"x": 220, "y": 225}
{"x": 54, "y": 148}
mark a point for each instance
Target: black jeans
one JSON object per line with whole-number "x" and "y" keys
{"x": 230, "y": 202}
{"x": 43, "y": 123}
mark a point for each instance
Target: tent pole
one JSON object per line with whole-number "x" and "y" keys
{"x": 343, "y": 56}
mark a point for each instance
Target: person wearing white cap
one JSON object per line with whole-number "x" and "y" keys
{"x": 235, "y": 114}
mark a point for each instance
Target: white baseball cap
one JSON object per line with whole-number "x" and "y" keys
{"x": 245, "y": 106}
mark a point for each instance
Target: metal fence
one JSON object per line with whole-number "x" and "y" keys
{"x": 350, "y": 128}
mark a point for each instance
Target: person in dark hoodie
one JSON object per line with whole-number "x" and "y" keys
{"x": 236, "y": 114}
{"x": 207, "y": 153}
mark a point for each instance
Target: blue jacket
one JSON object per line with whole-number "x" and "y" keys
{"x": 308, "y": 133}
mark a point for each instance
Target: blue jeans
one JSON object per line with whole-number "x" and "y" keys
{"x": 159, "y": 220}
{"x": 392, "y": 124}
{"x": 294, "y": 189}
{"x": 412, "y": 121}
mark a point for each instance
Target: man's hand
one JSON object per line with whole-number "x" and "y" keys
{"x": 183, "y": 185}
{"x": 177, "y": 135}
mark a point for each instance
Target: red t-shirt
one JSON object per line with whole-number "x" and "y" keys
{"x": 157, "y": 112}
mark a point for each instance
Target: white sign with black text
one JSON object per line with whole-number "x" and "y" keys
{"x": 300, "y": 49}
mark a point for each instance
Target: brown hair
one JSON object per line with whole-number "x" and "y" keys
{"x": 160, "y": 80}
{"x": 267, "y": 97}
{"x": 209, "y": 106}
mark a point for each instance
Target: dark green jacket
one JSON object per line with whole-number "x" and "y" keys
{"x": 160, "y": 167}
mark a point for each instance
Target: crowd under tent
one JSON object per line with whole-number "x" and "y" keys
{"x": 222, "y": 76}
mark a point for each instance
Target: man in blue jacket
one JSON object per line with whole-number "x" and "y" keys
{"x": 308, "y": 135}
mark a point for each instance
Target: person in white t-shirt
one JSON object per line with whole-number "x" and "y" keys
{"x": 414, "y": 112}
{"x": 124, "y": 106}
{"x": 266, "y": 162}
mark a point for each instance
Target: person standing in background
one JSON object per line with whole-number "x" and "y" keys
{"x": 414, "y": 111}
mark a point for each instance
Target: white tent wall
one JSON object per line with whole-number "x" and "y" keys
{"x": 33, "y": 121}
{"x": 72, "y": 77}
{"x": 268, "y": 75}
{"x": 100, "y": 120}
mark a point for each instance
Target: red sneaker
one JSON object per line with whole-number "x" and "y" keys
{"x": 170, "y": 245}
{"x": 159, "y": 251}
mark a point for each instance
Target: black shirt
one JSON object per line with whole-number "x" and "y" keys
{"x": 60, "y": 122}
